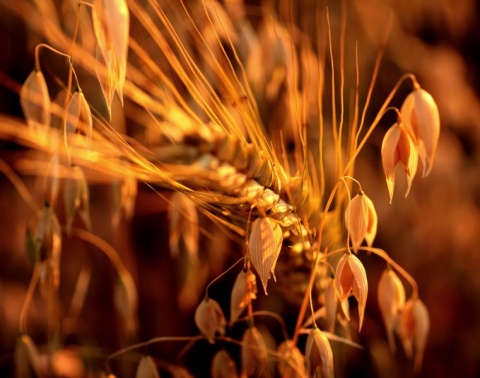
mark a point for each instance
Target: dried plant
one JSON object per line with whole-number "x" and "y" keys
{"x": 245, "y": 117}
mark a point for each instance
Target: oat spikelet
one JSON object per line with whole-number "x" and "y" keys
{"x": 104, "y": 69}
{"x": 397, "y": 147}
{"x": 319, "y": 355}
{"x": 292, "y": 361}
{"x": 223, "y": 366}
{"x": 48, "y": 243}
{"x": 146, "y": 368}
{"x": 422, "y": 121}
{"x": 243, "y": 292}
{"x": 79, "y": 116}
{"x": 253, "y": 354}
{"x": 35, "y": 100}
{"x": 391, "y": 300}
{"x": 111, "y": 23}
{"x": 414, "y": 325}
{"x": 77, "y": 198}
{"x": 361, "y": 220}
{"x": 350, "y": 277}
{"x": 126, "y": 300}
{"x": 264, "y": 246}
{"x": 209, "y": 319}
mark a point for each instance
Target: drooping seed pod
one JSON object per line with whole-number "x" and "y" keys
{"x": 397, "y": 147}
{"x": 292, "y": 362}
{"x": 125, "y": 299}
{"x": 27, "y": 358}
{"x": 106, "y": 75}
{"x": 79, "y": 117}
{"x": 77, "y": 198}
{"x": 243, "y": 292}
{"x": 35, "y": 100}
{"x": 350, "y": 277}
{"x": 209, "y": 319}
{"x": 48, "y": 243}
{"x": 391, "y": 300}
{"x": 413, "y": 328}
{"x": 361, "y": 220}
{"x": 111, "y": 24}
{"x": 147, "y": 368}
{"x": 253, "y": 354}
{"x": 318, "y": 353}
{"x": 264, "y": 246}
{"x": 422, "y": 121}
{"x": 223, "y": 366}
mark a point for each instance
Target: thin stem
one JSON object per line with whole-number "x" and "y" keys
{"x": 343, "y": 27}
{"x": 275, "y": 316}
{"x": 101, "y": 244}
{"x": 75, "y": 76}
{"x": 307, "y": 296}
{"x": 312, "y": 309}
{"x": 28, "y": 300}
{"x": 20, "y": 186}
{"x": 75, "y": 32}
{"x": 376, "y": 69}
{"x": 37, "y": 54}
{"x": 221, "y": 275}
{"x": 247, "y": 229}
{"x": 384, "y": 255}
{"x": 377, "y": 118}
{"x": 147, "y": 343}
{"x": 71, "y": 72}
{"x": 334, "y": 110}
{"x": 304, "y": 304}
{"x": 354, "y": 180}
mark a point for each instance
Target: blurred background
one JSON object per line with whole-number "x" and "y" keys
{"x": 434, "y": 233}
